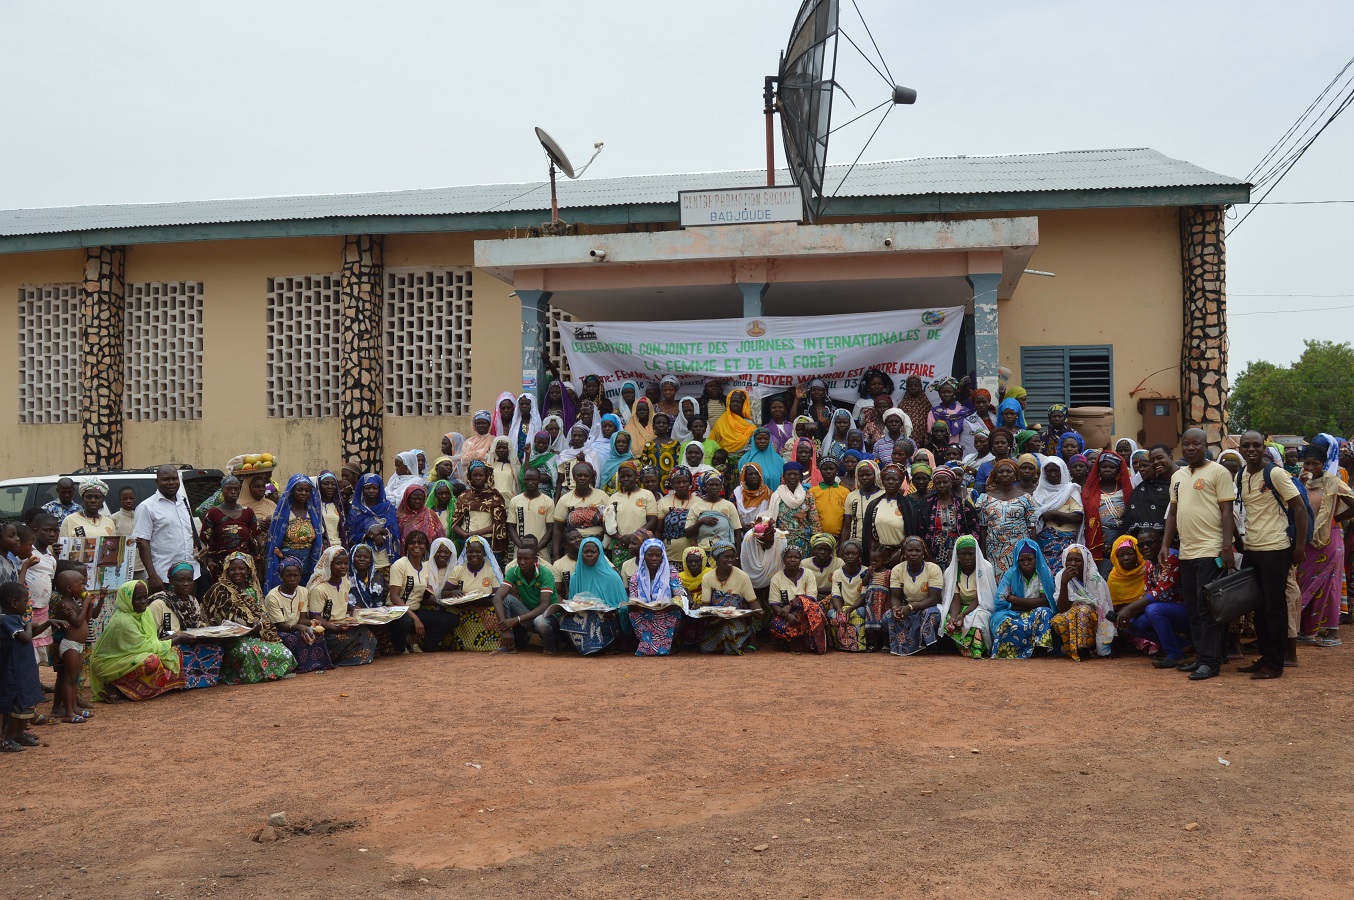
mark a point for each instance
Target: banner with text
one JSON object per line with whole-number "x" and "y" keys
{"x": 768, "y": 355}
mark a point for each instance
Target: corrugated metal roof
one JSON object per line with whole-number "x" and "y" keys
{"x": 1080, "y": 170}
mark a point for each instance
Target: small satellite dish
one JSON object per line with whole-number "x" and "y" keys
{"x": 559, "y": 158}
{"x": 802, "y": 93}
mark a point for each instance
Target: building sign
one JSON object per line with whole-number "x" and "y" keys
{"x": 770, "y": 354}
{"x": 741, "y": 206}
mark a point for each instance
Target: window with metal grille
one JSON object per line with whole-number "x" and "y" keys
{"x": 49, "y": 354}
{"x": 163, "y": 342}
{"x": 427, "y": 341}
{"x": 554, "y": 346}
{"x": 1077, "y": 376}
{"x": 305, "y": 318}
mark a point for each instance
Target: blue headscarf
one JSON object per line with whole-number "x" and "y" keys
{"x": 277, "y": 532}
{"x": 361, "y": 516}
{"x": 1012, "y": 403}
{"x": 1081, "y": 443}
{"x": 769, "y": 461}
{"x": 599, "y": 579}
{"x": 613, "y": 461}
{"x": 1015, "y": 581}
{"x": 365, "y": 592}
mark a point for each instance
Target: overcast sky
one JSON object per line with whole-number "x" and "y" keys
{"x": 144, "y": 101}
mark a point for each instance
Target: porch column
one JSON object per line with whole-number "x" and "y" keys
{"x": 1203, "y": 352}
{"x": 102, "y": 349}
{"x": 753, "y": 293}
{"x": 987, "y": 355}
{"x": 362, "y": 375}
{"x": 535, "y": 321}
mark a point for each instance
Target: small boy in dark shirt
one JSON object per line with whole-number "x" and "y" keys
{"x": 20, "y": 689}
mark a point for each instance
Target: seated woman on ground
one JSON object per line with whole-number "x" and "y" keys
{"x": 726, "y": 585}
{"x": 1023, "y": 618}
{"x": 969, "y": 598}
{"x": 797, "y": 620}
{"x": 330, "y": 607}
{"x": 1157, "y": 620}
{"x": 592, "y": 631}
{"x": 129, "y": 655}
{"x": 915, "y": 587}
{"x": 288, "y": 608}
{"x": 655, "y": 580}
{"x": 1083, "y": 619}
{"x": 425, "y": 622}
{"x": 176, "y": 609}
{"x": 258, "y": 656}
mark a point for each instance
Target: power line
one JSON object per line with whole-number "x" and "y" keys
{"x": 1276, "y": 312}
{"x": 1292, "y": 202}
{"x": 1292, "y": 128}
{"x": 1290, "y": 295}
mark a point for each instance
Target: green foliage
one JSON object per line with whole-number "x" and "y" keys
{"x": 1310, "y": 396}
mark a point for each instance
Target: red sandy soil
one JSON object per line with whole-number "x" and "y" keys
{"x": 622, "y": 777}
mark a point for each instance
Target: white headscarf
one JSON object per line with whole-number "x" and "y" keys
{"x": 533, "y": 422}
{"x": 650, "y": 589}
{"x": 583, "y": 453}
{"x": 437, "y": 579}
{"x": 895, "y": 411}
{"x": 398, "y": 484}
{"x": 496, "y": 425}
{"x": 1092, "y": 590}
{"x": 489, "y": 559}
{"x": 986, "y": 583}
{"x": 681, "y": 427}
{"x": 700, "y": 467}
{"x": 1050, "y": 497}
{"x": 560, "y": 442}
{"x": 457, "y": 445}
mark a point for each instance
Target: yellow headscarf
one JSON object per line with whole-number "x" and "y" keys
{"x": 640, "y": 435}
{"x": 129, "y": 639}
{"x": 692, "y": 583}
{"x": 733, "y": 430}
{"x": 1126, "y": 585}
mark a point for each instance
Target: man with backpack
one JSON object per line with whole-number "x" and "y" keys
{"x": 1278, "y": 526}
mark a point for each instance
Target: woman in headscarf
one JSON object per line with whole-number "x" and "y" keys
{"x": 915, "y": 586}
{"x": 414, "y": 514}
{"x": 592, "y": 631}
{"x": 236, "y": 598}
{"x": 478, "y": 445}
{"x": 130, "y": 656}
{"x": 475, "y": 571}
{"x": 726, "y": 585}
{"x": 229, "y": 528}
{"x": 980, "y": 420}
{"x": 688, "y": 408}
{"x": 797, "y": 619}
{"x": 693, "y": 457}
{"x": 1321, "y": 573}
{"x": 480, "y": 510}
{"x": 969, "y": 599}
{"x": 947, "y": 515}
{"x": 804, "y": 452}
{"x": 915, "y": 405}
{"x": 695, "y": 563}
{"x": 1083, "y": 599}
{"x": 442, "y": 501}
{"x": 504, "y": 408}
{"x": 1057, "y": 503}
{"x": 620, "y": 450}
{"x": 781, "y": 424}
{"x": 556, "y": 399}
{"x": 815, "y": 403}
{"x": 674, "y": 507}
{"x": 453, "y": 444}
{"x": 795, "y": 512}
{"x": 624, "y": 405}
{"x": 871, "y": 419}
{"x": 1140, "y": 466}
{"x": 330, "y": 593}
{"x": 1105, "y": 498}
{"x": 640, "y": 425}
{"x": 1017, "y": 393}
{"x": 333, "y": 509}
{"x": 897, "y": 428}
{"x": 867, "y": 485}
{"x": 575, "y": 452}
{"x": 655, "y": 590}
{"x": 1012, "y": 416}
{"x": 885, "y": 520}
{"x": 1025, "y": 605}
{"x": 1069, "y": 445}
{"x": 846, "y": 620}
{"x": 710, "y": 517}
{"x": 1007, "y": 516}
{"x": 752, "y": 497}
{"x": 873, "y": 384}
{"x": 287, "y": 607}
{"x": 734, "y": 429}
{"x": 374, "y": 521}
{"x": 667, "y": 396}
{"x": 599, "y": 442}
{"x": 406, "y": 473}
{"x": 526, "y": 421}
{"x": 297, "y": 530}
{"x": 948, "y": 411}
{"x": 834, "y": 445}
{"x": 761, "y": 454}
{"x": 366, "y": 584}
{"x": 201, "y": 658}
{"x": 504, "y": 470}
{"x": 558, "y": 431}
{"x": 1126, "y": 447}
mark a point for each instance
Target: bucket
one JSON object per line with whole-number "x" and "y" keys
{"x": 1094, "y": 423}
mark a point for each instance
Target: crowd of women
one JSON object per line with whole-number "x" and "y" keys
{"x": 650, "y": 521}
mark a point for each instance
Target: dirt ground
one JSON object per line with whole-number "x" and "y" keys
{"x": 796, "y": 776}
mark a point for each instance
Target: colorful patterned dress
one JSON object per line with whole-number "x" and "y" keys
{"x": 655, "y": 628}
{"x": 1007, "y": 522}
{"x": 806, "y": 635}
{"x": 800, "y": 523}
{"x": 248, "y": 660}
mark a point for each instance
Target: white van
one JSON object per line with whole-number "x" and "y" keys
{"x": 19, "y": 494}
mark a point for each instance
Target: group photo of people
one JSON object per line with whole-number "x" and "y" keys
{"x": 915, "y": 520}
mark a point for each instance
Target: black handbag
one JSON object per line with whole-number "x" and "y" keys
{"x": 1233, "y": 595}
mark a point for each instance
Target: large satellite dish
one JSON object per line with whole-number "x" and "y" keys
{"x": 559, "y": 158}
{"x": 803, "y": 92}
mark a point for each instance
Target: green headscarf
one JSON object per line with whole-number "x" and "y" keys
{"x": 1022, "y": 438}
{"x": 128, "y": 640}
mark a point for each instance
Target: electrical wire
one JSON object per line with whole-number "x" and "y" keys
{"x": 1285, "y": 312}
{"x": 1294, "y": 127}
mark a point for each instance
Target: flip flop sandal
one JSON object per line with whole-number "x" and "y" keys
{"x": 44, "y": 720}
{"x": 1330, "y": 642}
{"x": 75, "y": 720}
{"x": 27, "y": 740}
{"x": 8, "y": 746}
{"x": 1308, "y": 639}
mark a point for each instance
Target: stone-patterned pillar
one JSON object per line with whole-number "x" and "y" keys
{"x": 1203, "y": 352}
{"x": 986, "y": 351}
{"x": 362, "y": 379}
{"x": 103, "y": 307}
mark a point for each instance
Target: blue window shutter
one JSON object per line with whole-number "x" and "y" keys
{"x": 1044, "y": 376}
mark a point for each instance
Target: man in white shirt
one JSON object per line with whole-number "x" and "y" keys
{"x": 164, "y": 529}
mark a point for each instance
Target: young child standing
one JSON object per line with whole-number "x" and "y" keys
{"x": 20, "y": 689}
{"x": 71, "y": 611}
{"x": 39, "y": 568}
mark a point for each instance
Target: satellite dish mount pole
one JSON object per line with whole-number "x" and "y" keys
{"x": 554, "y": 202}
{"x": 769, "y": 107}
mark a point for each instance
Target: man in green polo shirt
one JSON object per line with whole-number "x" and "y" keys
{"x": 525, "y": 600}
